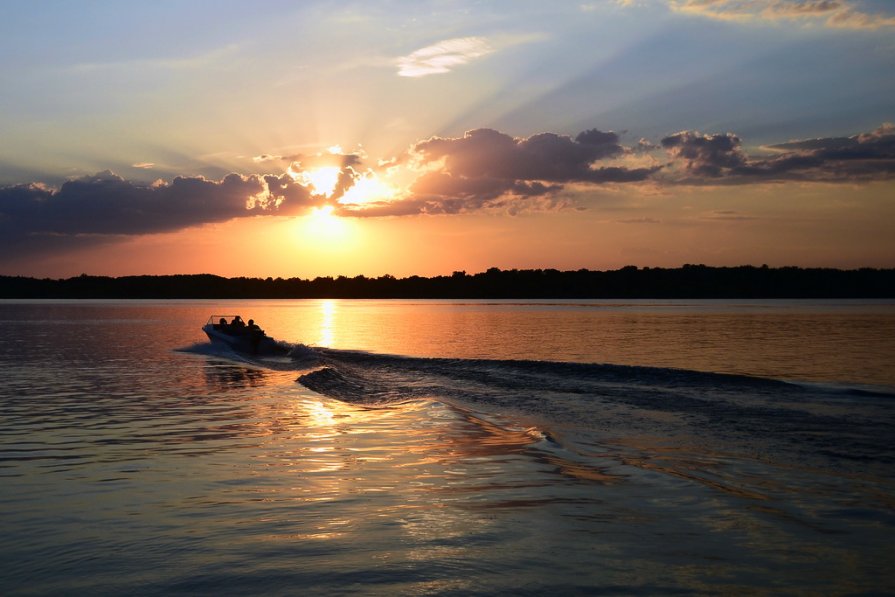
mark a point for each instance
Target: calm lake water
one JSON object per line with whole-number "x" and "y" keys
{"x": 449, "y": 447}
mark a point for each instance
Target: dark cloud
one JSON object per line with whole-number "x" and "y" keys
{"x": 720, "y": 158}
{"x": 348, "y": 177}
{"x": 604, "y": 144}
{"x": 95, "y": 209}
{"x": 282, "y": 188}
{"x": 706, "y": 155}
{"x": 107, "y": 205}
{"x": 484, "y": 169}
{"x": 476, "y": 191}
{"x": 437, "y": 193}
{"x": 473, "y": 171}
{"x": 527, "y": 196}
{"x": 875, "y": 145}
{"x": 546, "y": 156}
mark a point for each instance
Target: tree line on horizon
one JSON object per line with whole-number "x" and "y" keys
{"x": 689, "y": 281}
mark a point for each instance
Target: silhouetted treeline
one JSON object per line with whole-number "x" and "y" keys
{"x": 689, "y": 281}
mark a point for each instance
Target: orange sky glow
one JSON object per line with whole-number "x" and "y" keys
{"x": 360, "y": 141}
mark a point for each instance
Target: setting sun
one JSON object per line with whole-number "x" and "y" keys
{"x": 587, "y": 297}
{"x": 544, "y": 136}
{"x": 323, "y": 224}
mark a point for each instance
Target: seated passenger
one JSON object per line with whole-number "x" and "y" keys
{"x": 255, "y": 334}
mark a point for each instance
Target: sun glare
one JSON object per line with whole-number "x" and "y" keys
{"x": 322, "y": 180}
{"x": 368, "y": 188}
{"x": 323, "y": 224}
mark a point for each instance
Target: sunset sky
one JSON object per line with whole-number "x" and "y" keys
{"x": 326, "y": 138}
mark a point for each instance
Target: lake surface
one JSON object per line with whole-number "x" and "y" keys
{"x": 449, "y": 447}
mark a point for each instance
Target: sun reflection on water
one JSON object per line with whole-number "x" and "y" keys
{"x": 422, "y": 483}
{"x": 408, "y": 455}
{"x": 182, "y": 462}
{"x": 327, "y": 322}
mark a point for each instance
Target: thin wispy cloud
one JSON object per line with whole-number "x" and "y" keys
{"x": 442, "y": 57}
{"x": 194, "y": 62}
{"x": 839, "y": 14}
{"x": 595, "y": 6}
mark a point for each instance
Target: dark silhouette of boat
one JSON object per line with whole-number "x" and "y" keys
{"x": 248, "y": 338}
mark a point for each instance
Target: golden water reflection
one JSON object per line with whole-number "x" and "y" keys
{"x": 418, "y": 479}
{"x": 778, "y": 339}
{"x": 327, "y": 322}
{"x": 196, "y": 463}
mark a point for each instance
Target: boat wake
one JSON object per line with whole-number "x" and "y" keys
{"x": 615, "y": 402}
{"x": 588, "y": 407}
{"x": 293, "y": 357}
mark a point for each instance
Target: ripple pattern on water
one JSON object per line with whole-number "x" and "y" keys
{"x": 127, "y": 466}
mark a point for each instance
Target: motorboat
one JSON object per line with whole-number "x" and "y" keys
{"x": 233, "y": 332}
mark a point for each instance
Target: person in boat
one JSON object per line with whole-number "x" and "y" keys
{"x": 237, "y": 326}
{"x": 223, "y": 325}
{"x": 255, "y": 335}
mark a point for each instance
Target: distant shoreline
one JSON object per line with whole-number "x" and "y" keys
{"x": 689, "y": 281}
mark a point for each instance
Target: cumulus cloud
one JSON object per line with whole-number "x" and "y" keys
{"x": 706, "y": 155}
{"x": 283, "y": 189}
{"x": 486, "y": 153}
{"x": 486, "y": 168}
{"x": 442, "y": 57}
{"x": 720, "y": 158}
{"x": 107, "y": 205}
{"x": 830, "y": 13}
